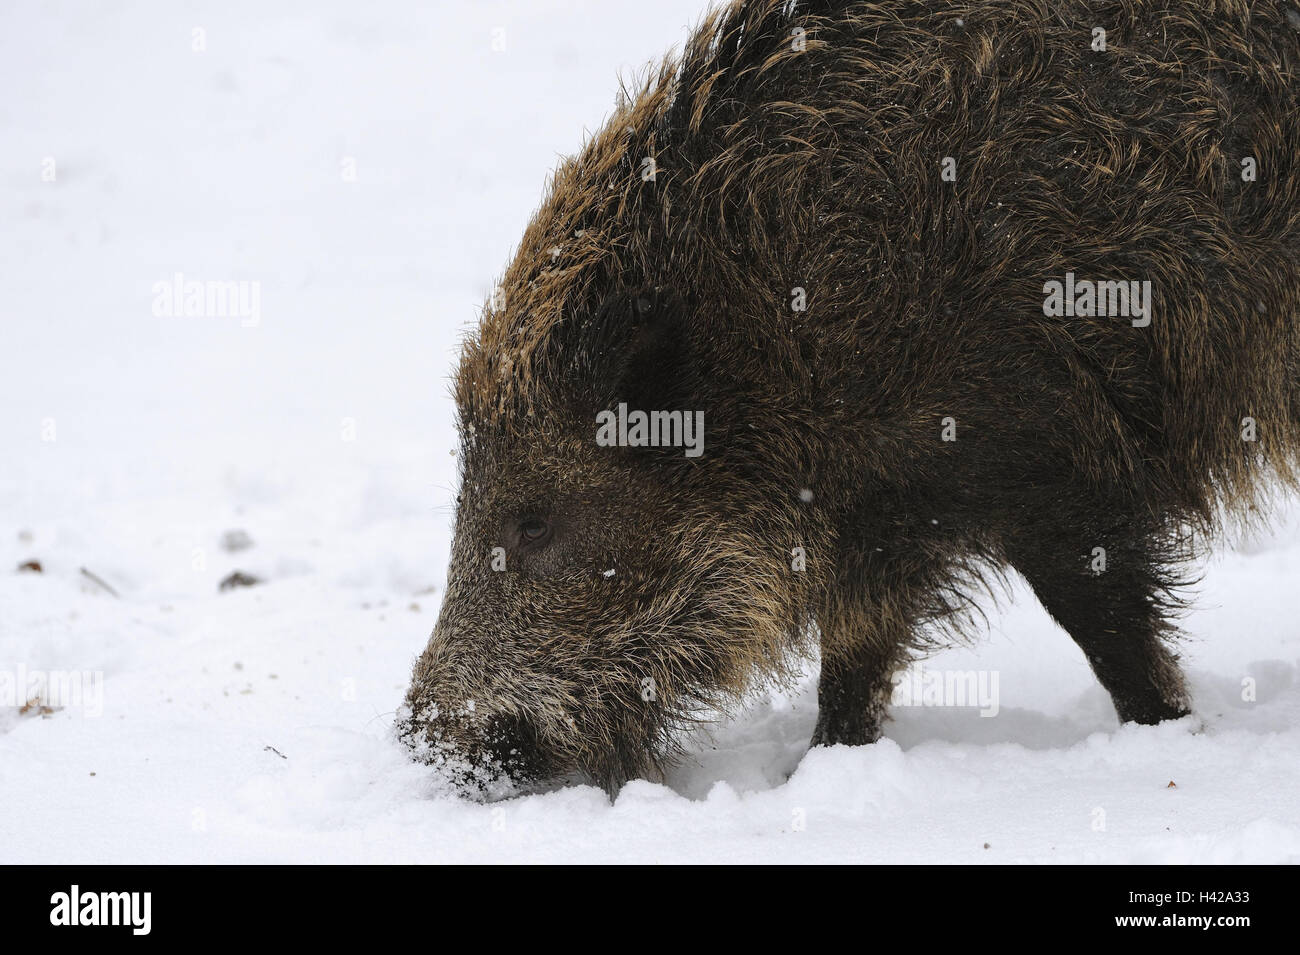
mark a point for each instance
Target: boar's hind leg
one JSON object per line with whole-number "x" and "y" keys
{"x": 1116, "y": 615}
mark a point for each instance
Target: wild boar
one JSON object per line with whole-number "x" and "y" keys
{"x": 940, "y": 290}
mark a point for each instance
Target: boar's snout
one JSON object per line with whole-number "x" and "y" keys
{"x": 450, "y": 722}
{"x": 489, "y": 754}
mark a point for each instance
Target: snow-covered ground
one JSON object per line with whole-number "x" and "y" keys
{"x": 370, "y": 167}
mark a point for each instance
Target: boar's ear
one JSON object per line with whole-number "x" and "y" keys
{"x": 637, "y": 349}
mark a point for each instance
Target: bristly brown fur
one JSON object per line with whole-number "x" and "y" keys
{"x": 781, "y": 165}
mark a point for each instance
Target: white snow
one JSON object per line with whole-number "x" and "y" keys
{"x": 371, "y": 166}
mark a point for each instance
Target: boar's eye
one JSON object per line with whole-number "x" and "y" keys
{"x": 533, "y": 530}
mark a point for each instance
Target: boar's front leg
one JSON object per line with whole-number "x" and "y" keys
{"x": 852, "y": 698}
{"x": 861, "y": 649}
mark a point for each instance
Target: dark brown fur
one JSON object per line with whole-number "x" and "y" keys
{"x": 820, "y": 168}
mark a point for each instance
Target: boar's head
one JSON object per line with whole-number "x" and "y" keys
{"x": 601, "y": 599}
